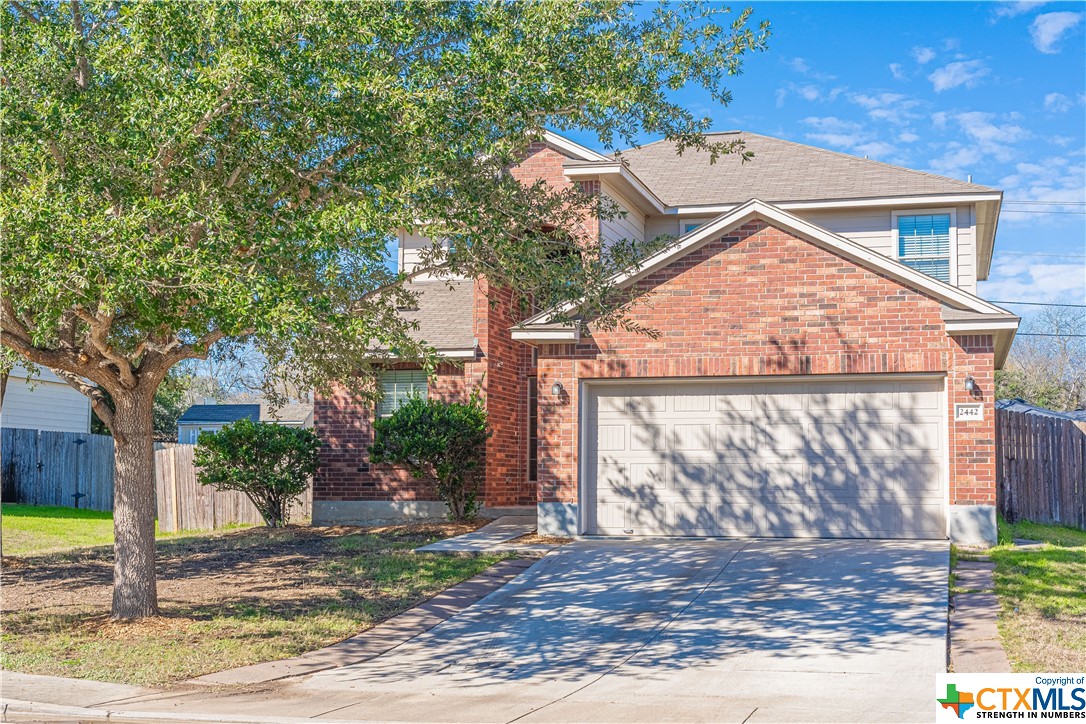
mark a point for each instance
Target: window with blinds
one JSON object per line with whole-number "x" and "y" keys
{"x": 397, "y": 386}
{"x": 923, "y": 242}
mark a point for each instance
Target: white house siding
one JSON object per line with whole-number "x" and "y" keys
{"x": 45, "y": 403}
{"x": 629, "y": 225}
{"x": 872, "y": 228}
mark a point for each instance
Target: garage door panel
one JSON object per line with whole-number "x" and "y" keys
{"x": 698, "y": 436}
{"x": 785, "y": 436}
{"x": 736, "y": 439}
{"x": 610, "y": 438}
{"x": 874, "y": 436}
{"x": 830, "y": 437}
{"x": 648, "y": 437}
{"x": 844, "y": 458}
{"x": 692, "y": 475}
{"x": 919, "y": 480}
{"x": 713, "y": 519}
{"x": 920, "y": 436}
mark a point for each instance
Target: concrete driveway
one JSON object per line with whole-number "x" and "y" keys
{"x": 666, "y": 631}
{"x": 743, "y": 631}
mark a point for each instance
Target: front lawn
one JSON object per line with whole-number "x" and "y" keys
{"x": 1043, "y": 597}
{"x": 227, "y": 600}
{"x": 30, "y": 530}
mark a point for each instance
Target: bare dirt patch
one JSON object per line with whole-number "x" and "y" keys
{"x": 534, "y": 538}
{"x": 226, "y": 600}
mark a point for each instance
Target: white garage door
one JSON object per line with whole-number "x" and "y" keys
{"x": 712, "y": 458}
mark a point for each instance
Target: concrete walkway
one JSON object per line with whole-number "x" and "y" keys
{"x": 730, "y": 631}
{"x": 975, "y": 646}
{"x": 493, "y": 536}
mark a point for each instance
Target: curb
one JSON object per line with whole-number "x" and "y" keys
{"x": 21, "y": 708}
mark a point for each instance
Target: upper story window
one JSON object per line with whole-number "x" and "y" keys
{"x": 397, "y": 387}
{"x": 926, "y": 243}
{"x": 690, "y": 226}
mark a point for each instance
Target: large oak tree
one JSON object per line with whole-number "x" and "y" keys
{"x": 179, "y": 176}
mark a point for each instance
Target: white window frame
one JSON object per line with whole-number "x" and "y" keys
{"x": 951, "y": 212}
{"x": 381, "y": 381}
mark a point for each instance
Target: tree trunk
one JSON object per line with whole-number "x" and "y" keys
{"x": 134, "y": 591}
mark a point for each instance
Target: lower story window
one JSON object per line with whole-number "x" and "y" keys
{"x": 397, "y": 387}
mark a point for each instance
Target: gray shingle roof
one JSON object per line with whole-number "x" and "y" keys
{"x": 445, "y": 314}
{"x": 290, "y": 412}
{"x": 780, "y": 171}
{"x": 219, "y": 413}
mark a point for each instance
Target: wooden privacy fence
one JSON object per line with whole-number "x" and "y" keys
{"x": 42, "y": 467}
{"x": 1041, "y": 467}
{"x": 184, "y": 504}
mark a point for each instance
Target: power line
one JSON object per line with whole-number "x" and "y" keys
{"x": 1061, "y": 336}
{"x": 1038, "y": 211}
{"x": 1047, "y": 203}
{"x": 1042, "y": 304}
{"x": 1038, "y": 253}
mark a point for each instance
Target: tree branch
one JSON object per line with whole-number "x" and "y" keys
{"x": 99, "y": 329}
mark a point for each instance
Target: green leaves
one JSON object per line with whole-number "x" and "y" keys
{"x": 271, "y": 464}
{"x": 183, "y": 172}
{"x": 440, "y": 442}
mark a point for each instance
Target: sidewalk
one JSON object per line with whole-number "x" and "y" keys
{"x": 228, "y": 695}
{"x": 493, "y": 537}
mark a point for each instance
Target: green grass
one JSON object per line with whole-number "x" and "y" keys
{"x": 1042, "y": 593}
{"x": 286, "y": 592}
{"x": 30, "y": 530}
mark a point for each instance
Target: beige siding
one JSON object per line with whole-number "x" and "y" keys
{"x": 45, "y": 403}
{"x": 629, "y": 225}
{"x": 869, "y": 227}
{"x": 411, "y": 246}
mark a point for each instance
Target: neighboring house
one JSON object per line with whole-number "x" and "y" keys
{"x": 212, "y": 416}
{"x": 824, "y": 366}
{"x": 43, "y": 402}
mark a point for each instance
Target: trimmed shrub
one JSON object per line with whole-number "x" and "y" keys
{"x": 271, "y": 464}
{"x": 441, "y": 443}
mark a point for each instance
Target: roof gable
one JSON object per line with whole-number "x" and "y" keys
{"x": 544, "y": 327}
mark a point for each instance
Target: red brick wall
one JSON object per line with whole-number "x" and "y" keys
{"x": 507, "y": 364}
{"x": 344, "y": 424}
{"x": 759, "y": 301}
{"x": 972, "y": 444}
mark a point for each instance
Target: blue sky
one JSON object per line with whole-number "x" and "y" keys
{"x": 996, "y": 90}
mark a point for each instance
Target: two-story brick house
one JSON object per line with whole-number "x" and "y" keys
{"x": 823, "y": 365}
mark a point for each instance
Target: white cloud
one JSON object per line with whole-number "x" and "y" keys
{"x": 908, "y": 137}
{"x": 879, "y": 150}
{"x": 1034, "y": 279}
{"x": 992, "y": 139}
{"x": 923, "y": 55}
{"x": 1058, "y": 103}
{"x": 1049, "y": 28}
{"x": 1013, "y": 9}
{"x": 799, "y": 65}
{"x": 1053, "y": 179}
{"x": 897, "y": 72}
{"x": 811, "y": 92}
{"x": 939, "y": 119}
{"x": 957, "y": 161}
{"x": 952, "y": 75}
{"x": 890, "y": 107}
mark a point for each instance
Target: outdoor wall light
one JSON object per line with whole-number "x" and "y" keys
{"x": 970, "y": 384}
{"x": 556, "y": 389}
